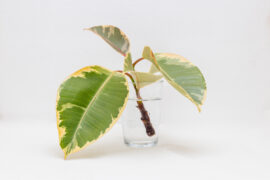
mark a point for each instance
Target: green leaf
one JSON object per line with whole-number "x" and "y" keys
{"x": 113, "y": 36}
{"x": 181, "y": 74}
{"x": 89, "y": 103}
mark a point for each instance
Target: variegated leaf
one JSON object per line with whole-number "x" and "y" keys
{"x": 181, "y": 74}
{"x": 113, "y": 36}
{"x": 89, "y": 103}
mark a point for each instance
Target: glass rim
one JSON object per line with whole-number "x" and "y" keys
{"x": 145, "y": 99}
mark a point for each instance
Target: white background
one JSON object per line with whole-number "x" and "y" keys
{"x": 42, "y": 42}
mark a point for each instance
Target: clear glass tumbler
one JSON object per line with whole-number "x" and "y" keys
{"x": 134, "y": 131}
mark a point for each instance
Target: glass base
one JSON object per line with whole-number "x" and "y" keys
{"x": 140, "y": 144}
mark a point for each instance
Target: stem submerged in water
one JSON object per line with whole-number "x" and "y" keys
{"x": 150, "y": 131}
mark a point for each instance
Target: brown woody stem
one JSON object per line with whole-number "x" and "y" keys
{"x": 150, "y": 131}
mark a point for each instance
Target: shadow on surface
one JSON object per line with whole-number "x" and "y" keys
{"x": 115, "y": 147}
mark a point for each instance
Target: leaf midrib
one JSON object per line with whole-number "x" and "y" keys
{"x": 167, "y": 76}
{"x": 90, "y": 104}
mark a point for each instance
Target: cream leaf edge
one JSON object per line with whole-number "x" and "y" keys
{"x": 149, "y": 55}
{"x": 61, "y": 130}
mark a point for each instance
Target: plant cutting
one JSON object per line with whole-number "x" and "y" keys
{"x": 91, "y": 100}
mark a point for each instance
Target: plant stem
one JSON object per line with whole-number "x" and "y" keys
{"x": 138, "y": 60}
{"x": 150, "y": 131}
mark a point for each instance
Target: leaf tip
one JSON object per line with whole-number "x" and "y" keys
{"x": 146, "y": 49}
{"x": 199, "y": 107}
{"x": 87, "y": 29}
{"x": 66, "y": 154}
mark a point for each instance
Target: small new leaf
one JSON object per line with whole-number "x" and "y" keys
{"x": 153, "y": 69}
{"x": 128, "y": 63}
{"x": 145, "y": 79}
{"x": 141, "y": 79}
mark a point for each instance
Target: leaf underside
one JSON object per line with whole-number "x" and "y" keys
{"x": 181, "y": 74}
{"x": 89, "y": 103}
{"x": 145, "y": 78}
{"x": 153, "y": 69}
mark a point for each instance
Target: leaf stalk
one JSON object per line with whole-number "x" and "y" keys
{"x": 137, "y": 61}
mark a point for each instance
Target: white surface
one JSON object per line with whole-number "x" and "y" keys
{"x": 207, "y": 150}
{"x": 41, "y": 42}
